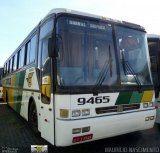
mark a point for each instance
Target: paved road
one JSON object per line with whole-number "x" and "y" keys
{"x": 16, "y": 136}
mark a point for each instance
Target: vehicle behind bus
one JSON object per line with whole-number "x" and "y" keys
{"x": 154, "y": 51}
{"x": 79, "y": 77}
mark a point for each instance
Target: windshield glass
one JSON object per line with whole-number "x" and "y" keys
{"x": 86, "y": 53}
{"x": 134, "y": 58}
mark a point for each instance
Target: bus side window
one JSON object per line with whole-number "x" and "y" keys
{"x": 28, "y": 48}
{"x": 31, "y": 50}
{"x": 12, "y": 64}
{"x": 15, "y": 62}
{"x": 5, "y": 69}
{"x": 46, "y": 73}
{"x": 21, "y": 57}
{"x": 45, "y": 30}
{"x": 8, "y": 66}
{"x": 44, "y": 62}
{"x": 10, "y": 69}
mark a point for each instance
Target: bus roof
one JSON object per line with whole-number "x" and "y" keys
{"x": 69, "y": 11}
{"x": 153, "y": 36}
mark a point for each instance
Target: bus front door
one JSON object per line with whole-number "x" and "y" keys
{"x": 46, "y": 108}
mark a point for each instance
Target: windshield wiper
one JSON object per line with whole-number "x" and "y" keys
{"x": 102, "y": 75}
{"x": 129, "y": 70}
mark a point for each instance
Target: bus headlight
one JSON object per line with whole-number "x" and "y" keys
{"x": 145, "y": 105}
{"x": 150, "y": 104}
{"x": 85, "y": 112}
{"x": 147, "y": 119}
{"x": 151, "y": 117}
{"x": 76, "y": 113}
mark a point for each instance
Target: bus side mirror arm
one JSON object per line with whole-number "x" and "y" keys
{"x": 51, "y": 48}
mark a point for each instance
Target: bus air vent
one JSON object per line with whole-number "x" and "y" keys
{"x": 117, "y": 108}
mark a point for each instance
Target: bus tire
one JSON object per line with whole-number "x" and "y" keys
{"x": 33, "y": 118}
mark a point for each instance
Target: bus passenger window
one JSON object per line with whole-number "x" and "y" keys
{"x": 33, "y": 49}
{"x": 46, "y": 74}
{"x": 15, "y": 62}
{"x": 10, "y": 69}
{"x": 28, "y": 48}
{"x": 21, "y": 57}
{"x": 8, "y": 66}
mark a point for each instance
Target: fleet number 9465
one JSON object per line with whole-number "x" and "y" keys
{"x": 93, "y": 100}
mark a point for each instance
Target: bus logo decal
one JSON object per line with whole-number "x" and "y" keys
{"x": 29, "y": 79}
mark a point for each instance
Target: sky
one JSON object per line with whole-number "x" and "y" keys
{"x": 19, "y": 17}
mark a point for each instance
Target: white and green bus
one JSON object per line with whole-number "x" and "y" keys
{"x": 79, "y": 77}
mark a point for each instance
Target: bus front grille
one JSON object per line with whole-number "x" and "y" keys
{"x": 117, "y": 108}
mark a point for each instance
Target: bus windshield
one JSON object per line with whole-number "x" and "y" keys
{"x": 87, "y": 55}
{"x": 134, "y": 58}
{"x": 86, "y": 47}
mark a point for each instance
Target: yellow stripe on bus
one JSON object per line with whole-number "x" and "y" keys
{"x": 147, "y": 96}
{"x": 11, "y": 97}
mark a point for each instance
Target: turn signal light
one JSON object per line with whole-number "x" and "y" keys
{"x": 64, "y": 113}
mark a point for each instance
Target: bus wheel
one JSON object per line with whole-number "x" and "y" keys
{"x": 32, "y": 118}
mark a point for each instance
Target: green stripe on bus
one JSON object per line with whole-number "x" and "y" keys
{"x": 19, "y": 101}
{"x": 18, "y": 94}
{"x": 124, "y": 98}
{"x": 136, "y": 97}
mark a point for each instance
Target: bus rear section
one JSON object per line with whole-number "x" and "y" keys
{"x": 154, "y": 50}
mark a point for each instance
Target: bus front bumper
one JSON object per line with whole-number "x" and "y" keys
{"x": 102, "y": 127}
